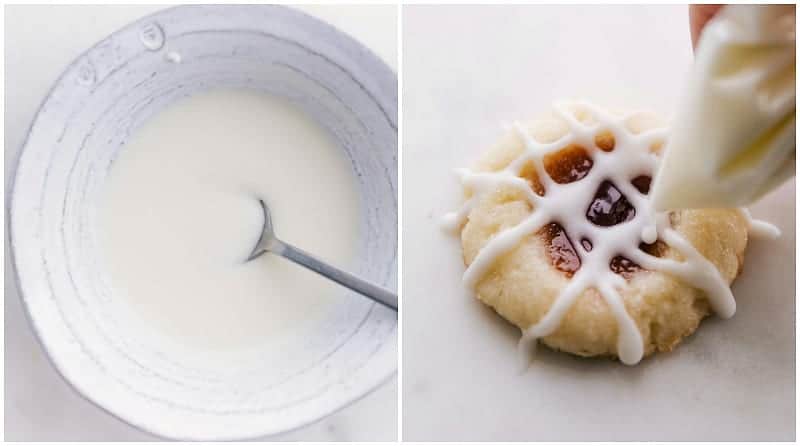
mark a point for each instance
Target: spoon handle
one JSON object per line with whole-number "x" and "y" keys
{"x": 361, "y": 286}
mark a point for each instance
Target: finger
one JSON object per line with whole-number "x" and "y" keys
{"x": 699, "y": 15}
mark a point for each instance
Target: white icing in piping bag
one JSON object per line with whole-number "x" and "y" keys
{"x": 733, "y": 139}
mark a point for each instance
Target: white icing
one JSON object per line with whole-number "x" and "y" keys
{"x": 567, "y": 205}
{"x": 179, "y": 213}
{"x": 173, "y": 56}
{"x": 760, "y": 228}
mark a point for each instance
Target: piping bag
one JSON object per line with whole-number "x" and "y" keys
{"x": 733, "y": 138}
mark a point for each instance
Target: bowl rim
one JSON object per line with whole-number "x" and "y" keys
{"x": 10, "y": 204}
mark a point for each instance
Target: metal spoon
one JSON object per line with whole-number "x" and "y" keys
{"x": 268, "y": 242}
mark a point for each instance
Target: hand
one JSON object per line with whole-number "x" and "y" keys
{"x": 699, "y": 15}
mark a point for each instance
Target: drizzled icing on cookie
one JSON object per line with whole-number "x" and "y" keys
{"x": 602, "y": 231}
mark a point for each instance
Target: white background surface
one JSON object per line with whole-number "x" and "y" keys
{"x": 466, "y": 70}
{"x": 40, "y": 42}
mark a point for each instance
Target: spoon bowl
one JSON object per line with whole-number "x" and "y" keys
{"x": 267, "y": 239}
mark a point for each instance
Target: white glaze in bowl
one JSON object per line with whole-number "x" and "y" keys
{"x": 97, "y": 103}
